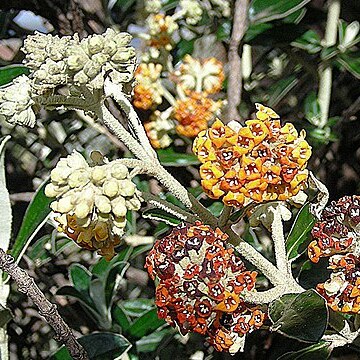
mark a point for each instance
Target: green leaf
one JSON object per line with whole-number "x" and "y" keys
{"x": 314, "y": 352}
{"x": 254, "y": 30}
{"x": 310, "y": 41}
{"x": 312, "y": 274}
{"x": 83, "y": 298}
{"x": 35, "y": 217}
{"x": 216, "y": 208}
{"x": 120, "y": 318}
{"x": 351, "y": 62}
{"x": 116, "y": 273}
{"x": 161, "y": 215}
{"x": 80, "y": 277}
{"x": 299, "y": 235}
{"x": 5, "y": 206}
{"x": 150, "y": 342}
{"x": 137, "y": 307}
{"x": 223, "y": 32}
{"x": 312, "y": 108}
{"x": 281, "y": 88}
{"x": 300, "y": 316}
{"x": 145, "y": 324}
{"x": 99, "y": 346}
{"x": 5, "y": 316}
{"x": 10, "y": 72}
{"x": 169, "y": 157}
{"x": 261, "y": 11}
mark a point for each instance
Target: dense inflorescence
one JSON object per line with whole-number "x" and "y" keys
{"x": 257, "y": 162}
{"x": 148, "y": 90}
{"x": 200, "y": 285}
{"x": 336, "y": 236}
{"x": 194, "y": 113}
{"x": 92, "y": 201}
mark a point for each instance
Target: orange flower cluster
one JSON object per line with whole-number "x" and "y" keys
{"x": 200, "y": 286}
{"x": 258, "y": 162}
{"x": 335, "y": 236}
{"x": 194, "y": 113}
{"x": 96, "y": 236}
{"x": 148, "y": 91}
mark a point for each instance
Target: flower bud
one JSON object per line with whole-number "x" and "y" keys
{"x": 126, "y": 187}
{"x": 95, "y": 44}
{"x": 118, "y": 206}
{"x": 110, "y": 188}
{"x": 82, "y": 210}
{"x": 64, "y": 204}
{"x": 119, "y": 171}
{"x": 98, "y": 174}
{"x": 103, "y": 204}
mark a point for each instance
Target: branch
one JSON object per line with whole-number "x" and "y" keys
{"x": 27, "y": 285}
{"x": 325, "y": 70}
{"x": 235, "y": 78}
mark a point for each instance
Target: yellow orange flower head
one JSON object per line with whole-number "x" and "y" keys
{"x": 206, "y": 75}
{"x": 161, "y": 28}
{"x": 257, "y": 162}
{"x": 194, "y": 113}
{"x": 148, "y": 91}
{"x": 92, "y": 201}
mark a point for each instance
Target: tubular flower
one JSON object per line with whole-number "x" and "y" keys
{"x": 148, "y": 91}
{"x": 200, "y": 286}
{"x": 258, "y": 162}
{"x": 194, "y": 112}
{"x": 55, "y": 61}
{"x": 205, "y": 75}
{"x": 336, "y": 236}
{"x": 158, "y": 128}
{"x": 92, "y": 202}
{"x": 161, "y": 28}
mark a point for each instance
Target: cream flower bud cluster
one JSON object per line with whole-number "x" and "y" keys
{"x": 16, "y": 102}
{"x": 153, "y": 6}
{"x": 58, "y": 61}
{"x": 193, "y": 11}
{"x": 102, "y": 193}
{"x": 223, "y": 6}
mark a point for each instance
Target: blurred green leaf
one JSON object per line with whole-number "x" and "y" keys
{"x": 150, "y": 342}
{"x": 184, "y": 47}
{"x": 351, "y": 62}
{"x": 310, "y": 41}
{"x": 10, "y": 72}
{"x": 137, "y": 307}
{"x": 223, "y": 32}
{"x": 114, "y": 275}
{"x": 80, "y": 277}
{"x": 261, "y": 11}
{"x": 5, "y": 316}
{"x": 254, "y": 30}
{"x": 120, "y": 318}
{"x": 168, "y": 157}
{"x": 145, "y": 324}
{"x": 35, "y": 217}
{"x": 83, "y": 298}
{"x": 300, "y": 316}
{"x": 299, "y": 235}
{"x": 281, "y": 88}
{"x": 216, "y": 208}
{"x": 312, "y": 274}
{"x": 314, "y": 352}
{"x": 99, "y": 346}
{"x": 161, "y": 215}
{"x": 138, "y": 250}
{"x": 312, "y": 108}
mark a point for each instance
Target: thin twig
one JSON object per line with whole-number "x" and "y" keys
{"x": 26, "y": 285}
{"x": 235, "y": 77}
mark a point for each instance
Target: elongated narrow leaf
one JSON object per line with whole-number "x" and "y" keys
{"x": 314, "y": 352}
{"x": 351, "y": 63}
{"x": 35, "y": 217}
{"x": 121, "y": 319}
{"x": 299, "y": 236}
{"x": 137, "y": 307}
{"x": 261, "y": 11}
{"x": 10, "y": 72}
{"x": 145, "y": 324}
{"x": 151, "y": 342}
{"x": 300, "y": 316}
{"x": 168, "y": 157}
{"x": 5, "y": 206}
{"x": 99, "y": 346}
{"x": 161, "y": 215}
{"x": 80, "y": 277}
{"x": 280, "y": 89}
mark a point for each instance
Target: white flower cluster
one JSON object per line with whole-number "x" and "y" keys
{"x": 58, "y": 61}
{"x": 153, "y": 6}
{"x": 92, "y": 201}
{"x": 223, "y": 6}
{"x": 192, "y": 11}
{"x": 16, "y": 102}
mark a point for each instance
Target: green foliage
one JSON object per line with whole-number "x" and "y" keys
{"x": 300, "y": 316}
{"x": 10, "y": 72}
